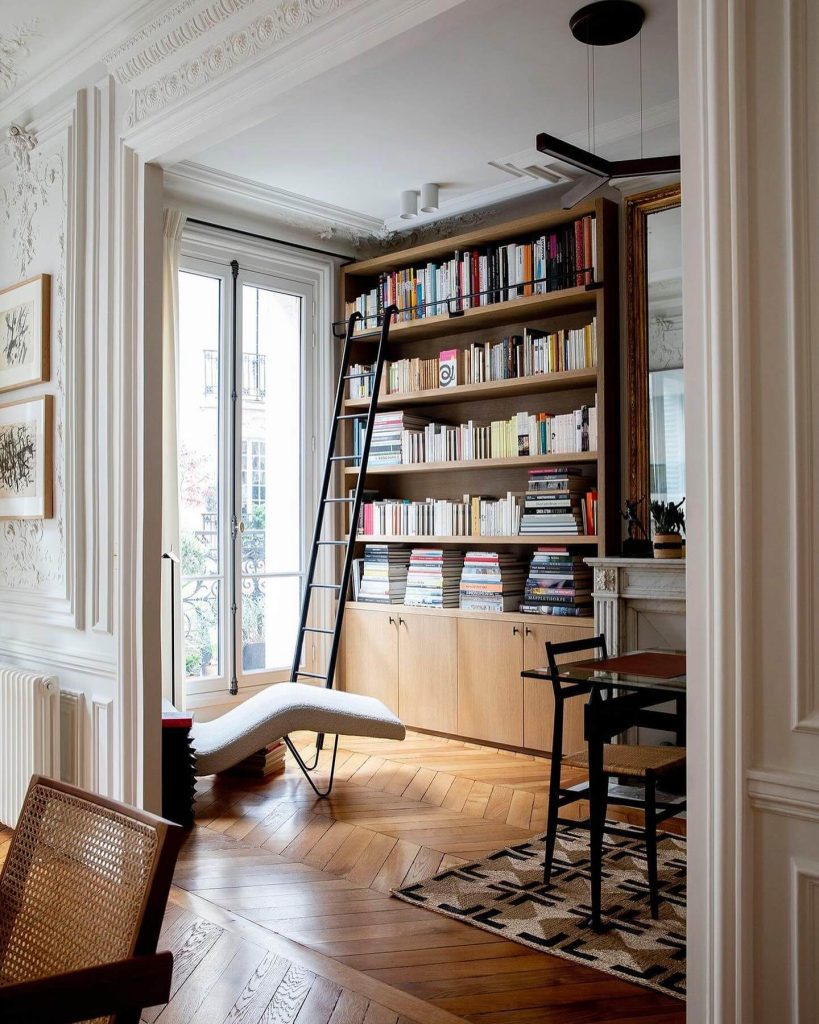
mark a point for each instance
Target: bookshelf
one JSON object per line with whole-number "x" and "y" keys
{"x": 375, "y": 641}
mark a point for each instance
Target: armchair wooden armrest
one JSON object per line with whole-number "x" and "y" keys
{"x": 116, "y": 988}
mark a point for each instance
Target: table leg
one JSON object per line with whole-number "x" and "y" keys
{"x": 597, "y": 805}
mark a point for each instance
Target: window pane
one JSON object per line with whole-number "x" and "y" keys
{"x": 270, "y": 615}
{"x": 201, "y": 613}
{"x": 199, "y": 463}
{"x": 271, "y": 431}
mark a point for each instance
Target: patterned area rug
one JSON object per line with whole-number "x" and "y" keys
{"x": 504, "y": 894}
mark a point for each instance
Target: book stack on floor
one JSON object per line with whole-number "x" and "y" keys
{"x": 391, "y": 432}
{"x": 554, "y": 502}
{"x": 559, "y": 583}
{"x": 491, "y": 582}
{"x": 433, "y": 578}
{"x": 267, "y": 761}
{"x": 384, "y": 579}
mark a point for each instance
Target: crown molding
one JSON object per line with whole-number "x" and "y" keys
{"x": 193, "y": 184}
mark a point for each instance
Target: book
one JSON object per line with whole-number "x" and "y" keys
{"x": 267, "y": 761}
{"x": 433, "y": 577}
{"x": 448, "y": 368}
{"x": 476, "y": 515}
{"x": 384, "y": 576}
{"x": 558, "y": 583}
{"x": 491, "y": 581}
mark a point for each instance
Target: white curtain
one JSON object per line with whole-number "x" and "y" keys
{"x": 174, "y": 222}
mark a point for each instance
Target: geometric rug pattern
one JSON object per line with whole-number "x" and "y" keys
{"x": 504, "y": 894}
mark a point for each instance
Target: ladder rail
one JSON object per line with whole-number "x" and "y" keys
{"x": 325, "y": 486}
{"x": 358, "y": 497}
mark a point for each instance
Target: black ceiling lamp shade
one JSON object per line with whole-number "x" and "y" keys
{"x": 603, "y": 23}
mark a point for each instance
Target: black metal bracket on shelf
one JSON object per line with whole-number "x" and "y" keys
{"x": 455, "y": 305}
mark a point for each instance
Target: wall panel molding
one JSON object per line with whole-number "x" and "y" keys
{"x": 791, "y": 794}
{"x": 804, "y": 914}
{"x": 103, "y": 745}
{"x": 72, "y": 712}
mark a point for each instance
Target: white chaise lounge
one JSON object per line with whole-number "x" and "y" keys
{"x": 284, "y": 708}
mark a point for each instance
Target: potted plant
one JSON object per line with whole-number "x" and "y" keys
{"x": 669, "y": 523}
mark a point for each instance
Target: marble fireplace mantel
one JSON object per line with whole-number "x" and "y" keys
{"x": 639, "y": 602}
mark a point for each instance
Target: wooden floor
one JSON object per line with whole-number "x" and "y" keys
{"x": 302, "y": 886}
{"x": 281, "y": 912}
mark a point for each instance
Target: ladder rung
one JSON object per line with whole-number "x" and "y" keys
{"x": 334, "y": 543}
{"x": 355, "y": 376}
{"x": 318, "y": 629}
{"x": 325, "y": 586}
{"x": 354, "y": 416}
{"x": 339, "y": 499}
{"x": 311, "y": 675}
{"x": 342, "y": 458}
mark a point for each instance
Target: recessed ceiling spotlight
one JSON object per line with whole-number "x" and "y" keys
{"x": 409, "y": 204}
{"x": 429, "y": 197}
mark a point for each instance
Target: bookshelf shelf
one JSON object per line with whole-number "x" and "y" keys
{"x": 527, "y": 307}
{"x": 531, "y": 539}
{"x": 515, "y": 462}
{"x": 539, "y": 383}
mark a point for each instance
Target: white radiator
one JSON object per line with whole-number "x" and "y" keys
{"x": 29, "y": 735}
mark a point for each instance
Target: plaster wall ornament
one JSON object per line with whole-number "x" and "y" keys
{"x": 13, "y": 47}
{"x": 33, "y": 223}
{"x": 264, "y": 33}
{"x": 155, "y": 43}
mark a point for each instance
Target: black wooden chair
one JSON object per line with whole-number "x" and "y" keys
{"x": 637, "y": 764}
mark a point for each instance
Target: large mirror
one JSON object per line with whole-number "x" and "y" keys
{"x": 656, "y": 399}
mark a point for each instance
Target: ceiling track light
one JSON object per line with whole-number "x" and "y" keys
{"x": 429, "y": 197}
{"x": 409, "y": 204}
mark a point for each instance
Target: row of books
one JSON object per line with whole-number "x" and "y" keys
{"x": 400, "y": 438}
{"x": 475, "y": 516}
{"x": 558, "y": 501}
{"x": 559, "y": 583}
{"x": 267, "y": 761}
{"x": 520, "y": 355}
{"x": 485, "y": 275}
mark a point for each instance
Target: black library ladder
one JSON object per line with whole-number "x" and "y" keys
{"x": 326, "y": 499}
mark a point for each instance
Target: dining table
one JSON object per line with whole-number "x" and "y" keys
{"x": 624, "y": 691}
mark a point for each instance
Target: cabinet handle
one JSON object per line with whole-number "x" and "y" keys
{"x": 515, "y": 631}
{"x": 527, "y": 631}
{"x": 391, "y": 620}
{"x": 401, "y": 621}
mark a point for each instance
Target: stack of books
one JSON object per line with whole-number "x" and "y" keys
{"x": 559, "y": 583}
{"x": 391, "y": 431}
{"x": 433, "y": 578}
{"x": 491, "y": 582}
{"x": 554, "y": 501}
{"x": 267, "y": 761}
{"x": 384, "y": 579}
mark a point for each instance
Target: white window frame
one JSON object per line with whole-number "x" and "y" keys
{"x": 311, "y": 276}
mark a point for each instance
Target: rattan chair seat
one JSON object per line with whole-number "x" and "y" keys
{"x": 632, "y": 760}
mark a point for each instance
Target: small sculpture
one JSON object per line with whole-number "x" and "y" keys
{"x": 637, "y": 544}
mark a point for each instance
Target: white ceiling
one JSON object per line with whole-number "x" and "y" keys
{"x": 439, "y": 102}
{"x": 51, "y": 29}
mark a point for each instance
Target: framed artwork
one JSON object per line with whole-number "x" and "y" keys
{"x": 27, "y": 458}
{"x": 25, "y": 321}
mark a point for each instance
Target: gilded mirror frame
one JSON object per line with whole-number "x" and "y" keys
{"x": 638, "y": 208}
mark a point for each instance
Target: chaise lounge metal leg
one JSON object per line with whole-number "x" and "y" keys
{"x": 306, "y": 771}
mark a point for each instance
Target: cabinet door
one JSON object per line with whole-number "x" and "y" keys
{"x": 538, "y": 697}
{"x": 371, "y": 654}
{"x": 490, "y": 689}
{"x": 427, "y": 671}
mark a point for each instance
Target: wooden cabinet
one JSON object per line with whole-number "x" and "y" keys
{"x": 490, "y": 689}
{"x": 428, "y": 671}
{"x": 538, "y": 698}
{"x": 371, "y": 654}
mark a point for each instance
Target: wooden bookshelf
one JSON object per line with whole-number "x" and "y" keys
{"x": 423, "y": 662}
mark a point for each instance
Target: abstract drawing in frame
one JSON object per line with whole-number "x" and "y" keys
{"x": 25, "y": 318}
{"x": 26, "y": 458}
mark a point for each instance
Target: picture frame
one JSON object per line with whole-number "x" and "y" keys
{"x": 27, "y": 458}
{"x": 25, "y": 333}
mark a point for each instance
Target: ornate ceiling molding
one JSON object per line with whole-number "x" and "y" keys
{"x": 13, "y": 47}
{"x": 142, "y": 52}
{"x": 263, "y": 34}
